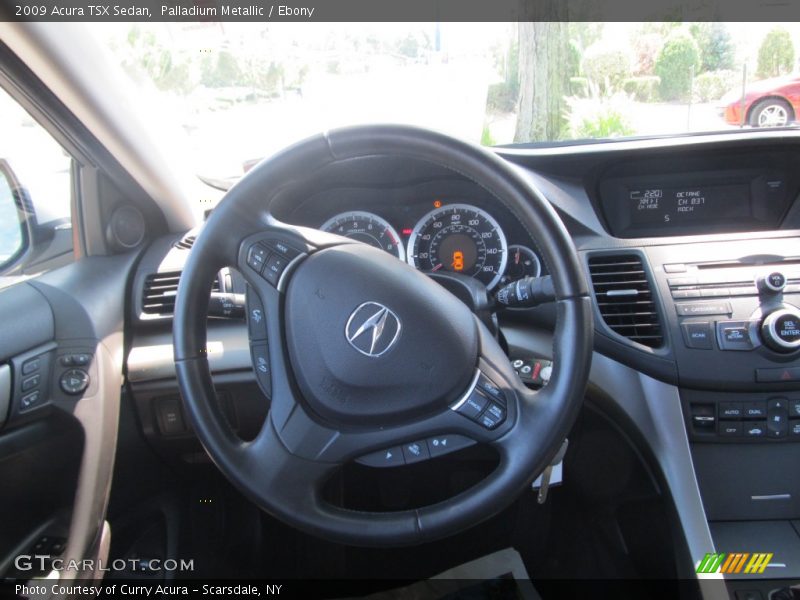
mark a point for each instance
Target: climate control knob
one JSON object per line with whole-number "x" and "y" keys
{"x": 781, "y": 330}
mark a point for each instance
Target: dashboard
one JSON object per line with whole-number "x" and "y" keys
{"x": 691, "y": 250}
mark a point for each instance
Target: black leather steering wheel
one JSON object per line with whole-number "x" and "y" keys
{"x": 333, "y": 400}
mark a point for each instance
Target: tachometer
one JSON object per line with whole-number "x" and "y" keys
{"x": 368, "y": 228}
{"x": 462, "y": 239}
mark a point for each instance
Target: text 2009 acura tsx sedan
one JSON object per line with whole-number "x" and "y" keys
{"x": 505, "y": 329}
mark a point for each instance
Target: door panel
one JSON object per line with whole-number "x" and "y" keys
{"x": 61, "y": 335}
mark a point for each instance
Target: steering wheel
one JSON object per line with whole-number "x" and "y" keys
{"x": 360, "y": 352}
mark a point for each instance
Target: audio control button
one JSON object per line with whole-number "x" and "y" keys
{"x": 781, "y": 330}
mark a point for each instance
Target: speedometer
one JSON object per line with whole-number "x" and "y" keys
{"x": 462, "y": 239}
{"x": 368, "y": 228}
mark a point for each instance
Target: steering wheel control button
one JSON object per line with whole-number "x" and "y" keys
{"x": 702, "y": 309}
{"x": 262, "y": 368}
{"x": 416, "y": 452}
{"x": 274, "y": 268}
{"x": 697, "y": 335}
{"x": 493, "y": 416}
{"x": 74, "y": 381}
{"x": 773, "y": 283}
{"x": 473, "y": 406}
{"x": 256, "y": 319}
{"x": 283, "y": 250}
{"x": 781, "y": 330}
{"x": 445, "y": 444}
{"x": 490, "y": 388}
{"x": 391, "y": 457}
{"x": 256, "y": 257}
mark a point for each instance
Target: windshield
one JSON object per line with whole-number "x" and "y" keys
{"x": 241, "y": 91}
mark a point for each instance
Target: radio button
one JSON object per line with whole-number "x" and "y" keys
{"x": 693, "y": 309}
{"x": 697, "y": 335}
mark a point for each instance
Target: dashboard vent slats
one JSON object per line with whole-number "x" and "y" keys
{"x": 624, "y": 298}
{"x": 186, "y": 242}
{"x": 160, "y": 289}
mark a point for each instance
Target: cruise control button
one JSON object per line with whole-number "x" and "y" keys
{"x": 256, "y": 257}
{"x": 444, "y": 444}
{"x": 274, "y": 268}
{"x": 416, "y": 452}
{"x": 391, "y": 457}
{"x": 493, "y": 416}
{"x": 490, "y": 388}
{"x": 262, "y": 367}
{"x": 473, "y": 406}
{"x": 256, "y": 319}
{"x": 81, "y": 360}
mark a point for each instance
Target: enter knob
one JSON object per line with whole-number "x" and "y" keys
{"x": 781, "y": 330}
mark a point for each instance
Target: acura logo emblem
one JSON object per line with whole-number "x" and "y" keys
{"x": 372, "y": 329}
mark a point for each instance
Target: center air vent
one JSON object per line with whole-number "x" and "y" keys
{"x": 158, "y": 297}
{"x": 625, "y": 299}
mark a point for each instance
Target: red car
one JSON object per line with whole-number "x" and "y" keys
{"x": 767, "y": 103}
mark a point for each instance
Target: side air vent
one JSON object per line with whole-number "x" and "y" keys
{"x": 186, "y": 242}
{"x": 625, "y": 299}
{"x": 158, "y": 297}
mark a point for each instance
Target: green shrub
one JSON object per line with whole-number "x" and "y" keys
{"x": 643, "y": 89}
{"x": 606, "y": 66}
{"x": 776, "y": 54}
{"x": 486, "y": 137}
{"x": 714, "y": 84}
{"x": 595, "y": 118}
{"x": 675, "y": 64}
{"x": 579, "y": 86}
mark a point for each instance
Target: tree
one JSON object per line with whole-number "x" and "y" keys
{"x": 676, "y": 64}
{"x": 715, "y": 45}
{"x": 543, "y": 52}
{"x": 776, "y": 54}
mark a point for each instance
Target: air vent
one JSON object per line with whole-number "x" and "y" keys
{"x": 158, "y": 297}
{"x": 186, "y": 242}
{"x": 625, "y": 299}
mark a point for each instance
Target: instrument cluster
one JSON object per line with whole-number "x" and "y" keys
{"x": 453, "y": 234}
